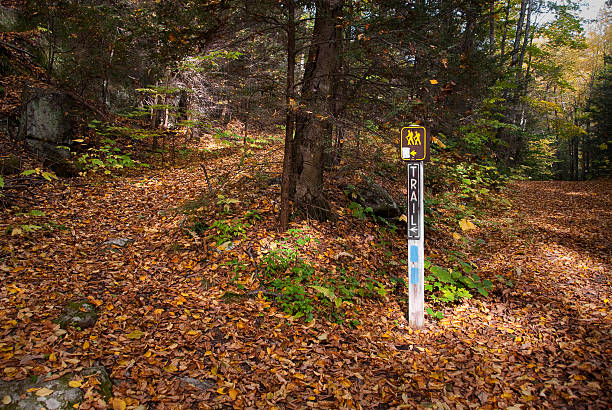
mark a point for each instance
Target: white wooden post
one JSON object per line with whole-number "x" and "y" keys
{"x": 416, "y": 245}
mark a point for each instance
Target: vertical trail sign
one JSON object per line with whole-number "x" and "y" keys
{"x": 414, "y": 200}
{"x": 415, "y": 150}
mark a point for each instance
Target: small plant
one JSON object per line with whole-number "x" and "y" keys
{"x": 49, "y": 176}
{"x": 294, "y": 298}
{"x": 226, "y": 203}
{"x": 22, "y": 229}
{"x": 252, "y": 216}
{"x": 295, "y": 301}
{"x": 434, "y": 313}
{"x": 453, "y": 285}
{"x": 279, "y": 260}
{"x": 295, "y": 232}
{"x": 359, "y": 211}
{"x": 228, "y": 230}
{"x": 106, "y": 158}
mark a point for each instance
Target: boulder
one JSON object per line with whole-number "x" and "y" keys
{"x": 36, "y": 393}
{"x": 115, "y": 244}
{"x": 50, "y": 119}
{"x": 10, "y": 165}
{"x": 376, "y": 197}
{"x": 80, "y": 313}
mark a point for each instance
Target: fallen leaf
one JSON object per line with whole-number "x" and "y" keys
{"x": 135, "y": 334}
{"x": 438, "y": 142}
{"x": 118, "y": 404}
{"x": 75, "y": 383}
{"x": 43, "y": 392}
{"x": 466, "y": 225}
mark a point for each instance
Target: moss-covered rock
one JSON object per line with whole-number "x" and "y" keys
{"x": 80, "y": 313}
{"x": 38, "y": 393}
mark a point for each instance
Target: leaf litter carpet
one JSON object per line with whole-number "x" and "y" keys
{"x": 170, "y": 339}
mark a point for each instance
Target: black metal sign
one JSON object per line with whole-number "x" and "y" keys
{"x": 414, "y": 195}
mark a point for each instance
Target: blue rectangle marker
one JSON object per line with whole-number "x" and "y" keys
{"x": 414, "y": 253}
{"x": 414, "y": 276}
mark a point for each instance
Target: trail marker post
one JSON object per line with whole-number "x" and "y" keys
{"x": 415, "y": 150}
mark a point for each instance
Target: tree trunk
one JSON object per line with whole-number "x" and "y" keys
{"x": 518, "y": 34}
{"x": 527, "y": 35}
{"x": 492, "y": 29}
{"x": 313, "y": 122}
{"x": 505, "y": 32}
{"x": 290, "y": 119}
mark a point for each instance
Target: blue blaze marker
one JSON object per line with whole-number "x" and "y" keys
{"x": 414, "y": 253}
{"x": 414, "y": 276}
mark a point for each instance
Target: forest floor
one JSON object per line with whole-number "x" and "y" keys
{"x": 181, "y": 322}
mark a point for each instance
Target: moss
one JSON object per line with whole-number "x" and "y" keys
{"x": 106, "y": 385}
{"x": 78, "y": 313}
{"x": 233, "y": 297}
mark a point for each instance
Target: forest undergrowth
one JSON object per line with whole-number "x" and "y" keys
{"x": 202, "y": 301}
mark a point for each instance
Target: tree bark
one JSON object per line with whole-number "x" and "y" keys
{"x": 505, "y": 32}
{"x": 492, "y": 29}
{"x": 314, "y": 120}
{"x": 290, "y": 119}
{"x": 518, "y": 34}
{"x": 527, "y": 35}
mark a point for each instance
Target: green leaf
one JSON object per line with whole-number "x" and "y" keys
{"x": 442, "y": 274}
{"x": 48, "y": 176}
{"x": 29, "y": 172}
{"x": 483, "y": 291}
{"x": 328, "y": 293}
{"x": 36, "y": 212}
{"x": 30, "y": 228}
{"x": 466, "y": 267}
{"x": 1, "y": 182}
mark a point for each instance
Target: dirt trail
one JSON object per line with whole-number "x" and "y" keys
{"x": 544, "y": 342}
{"x": 556, "y": 244}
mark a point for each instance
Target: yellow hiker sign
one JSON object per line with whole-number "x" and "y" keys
{"x": 415, "y": 143}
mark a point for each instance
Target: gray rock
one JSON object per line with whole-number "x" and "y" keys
{"x": 198, "y": 384}
{"x": 376, "y": 197}
{"x": 80, "y": 313}
{"x": 343, "y": 255}
{"x": 114, "y": 244}
{"x": 60, "y": 394}
{"x": 49, "y": 118}
{"x": 120, "y": 242}
{"x": 225, "y": 246}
